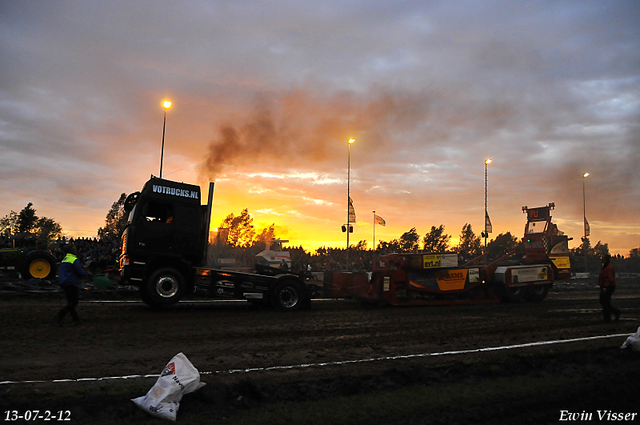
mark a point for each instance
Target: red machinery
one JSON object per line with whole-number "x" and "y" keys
{"x": 431, "y": 279}
{"x": 544, "y": 243}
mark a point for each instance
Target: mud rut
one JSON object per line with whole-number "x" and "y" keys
{"x": 122, "y": 337}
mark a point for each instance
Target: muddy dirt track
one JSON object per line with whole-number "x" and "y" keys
{"x": 121, "y": 336}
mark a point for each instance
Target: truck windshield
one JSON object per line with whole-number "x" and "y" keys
{"x": 157, "y": 212}
{"x": 536, "y": 227}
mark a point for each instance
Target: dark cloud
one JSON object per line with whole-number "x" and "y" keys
{"x": 429, "y": 90}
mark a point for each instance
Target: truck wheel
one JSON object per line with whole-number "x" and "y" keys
{"x": 39, "y": 265}
{"x": 289, "y": 296}
{"x": 164, "y": 287}
{"x": 536, "y": 292}
{"x": 514, "y": 294}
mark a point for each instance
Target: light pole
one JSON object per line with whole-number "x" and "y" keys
{"x": 350, "y": 142}
{"x": 486, "y": 211}
{"x": 586, "y": 224}
{"x": 166, "y": 105}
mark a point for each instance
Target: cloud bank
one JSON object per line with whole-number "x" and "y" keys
{"x": 266, "y": 95}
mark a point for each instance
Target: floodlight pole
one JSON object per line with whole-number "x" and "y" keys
{"x": 166, "y": 105}
{"x": 584, "y": 211}
{"x": 350, "y": 141}
{"x": 486, "y": 211}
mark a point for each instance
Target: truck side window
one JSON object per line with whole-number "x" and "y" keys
{"x": 157, "y": 212}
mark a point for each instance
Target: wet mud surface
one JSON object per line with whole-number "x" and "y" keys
{"x": 339, "y": 349}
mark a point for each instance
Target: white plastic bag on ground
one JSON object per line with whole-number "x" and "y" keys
{"x": 178, "y": 378}
{"x": 633, "y": 341}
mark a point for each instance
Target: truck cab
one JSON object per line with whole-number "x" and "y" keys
{"x": 164, "y": 251}
{"x": 167, "y": 228}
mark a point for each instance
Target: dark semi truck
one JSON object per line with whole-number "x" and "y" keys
{"x": 164, "y": 252}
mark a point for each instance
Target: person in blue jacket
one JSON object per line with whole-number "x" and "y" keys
{"x": 69, "y": 279}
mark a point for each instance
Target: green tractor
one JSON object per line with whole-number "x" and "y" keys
{"x": 29, "y": 263}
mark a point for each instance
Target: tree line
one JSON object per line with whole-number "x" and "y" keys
{"x": 242, "y": 241}
{"x": 28, "y": 228}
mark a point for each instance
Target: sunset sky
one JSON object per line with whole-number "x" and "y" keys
{"x": 266, "y": 94}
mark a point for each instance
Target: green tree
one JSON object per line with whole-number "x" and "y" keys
{"x": 502, "y": 245}
{"x": 601, "y": 250}
{"x": 42, "y": 229}
{"x": 409, "y": 241}
{"x": 361, "y": 246}
{"x": 47, "y": 229}
{"x": 115, "y": 221}
{"x": 388, "y": 247}
{"x": 27, "y": 219}
{"x": 241, "y": 229}
{"x": 436, "y": 240}
{"x": 633, "y": 262}
{"x": 267, "y": 234}
{"x": 469, "y": 246}
{"x": 9, "y": 224}
{"x": 585, "y": 245}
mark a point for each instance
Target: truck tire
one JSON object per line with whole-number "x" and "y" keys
{"x": 514, "y": 294}
{"x": 164, "y": 287}
{"x": 289, "y": 295}
{"x": 536, "y": 293}
{"x": 39, "y": 265}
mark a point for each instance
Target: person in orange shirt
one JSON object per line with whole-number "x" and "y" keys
{"x": 607, "y": 282}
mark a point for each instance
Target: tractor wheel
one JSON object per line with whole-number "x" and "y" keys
{"x": 514, "y": 294}
{"x": 536, "y": 292}
{"x": 164, "y": 287}
{"x": 39, "y": 265}
{"x": 289, "y": 295}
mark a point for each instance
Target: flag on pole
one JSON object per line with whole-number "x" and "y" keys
{"x": 487, "y": 223}
{"x": 352, "y": 211}
{"x": 379, "y": 220}
{"x": 587, "y": 228}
